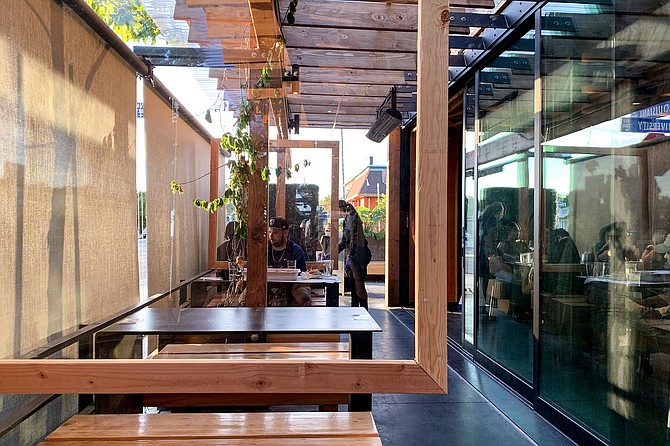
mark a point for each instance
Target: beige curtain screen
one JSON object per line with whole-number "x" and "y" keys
{"x": 174, "y": 151}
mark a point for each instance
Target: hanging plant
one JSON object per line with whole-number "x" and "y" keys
{"x": 245, "y": 161}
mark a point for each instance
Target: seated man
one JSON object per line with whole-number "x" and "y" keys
{"x": 280, "y": 251}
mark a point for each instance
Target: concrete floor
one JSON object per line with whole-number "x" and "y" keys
{"x": 478, "y": 410}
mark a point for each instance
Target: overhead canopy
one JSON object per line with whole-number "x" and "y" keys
{"x": 345, "y": 55}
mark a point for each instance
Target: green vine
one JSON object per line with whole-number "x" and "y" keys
{"x": 245, "y": 162}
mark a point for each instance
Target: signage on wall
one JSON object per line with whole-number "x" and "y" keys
{"x": 648, "y": 120}
{"x": 655, "y": 111}
{"x": 642, "y": 125}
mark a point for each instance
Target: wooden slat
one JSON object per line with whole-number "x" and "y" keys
{"x": 355, "y": 15}
{"x": 242, "y": 399}
{"x": 334, "y": 101}
{"x": 272, "y": 338}
{"x": 432, "y": 232}
{"x": 233, "y": 13}
{"x": 341, "y": 110}
{"x": 255, "y": 355}
{"x": 303, "y": 441}
{"x": 350, "y": 39}
{"x": 216, "y": 425}
{"x": 354, "y": 76}
{"x": 315, "y": 57}
{"x": 214, "y": 376}
{"x": 462, "y": 3}
{"x": 340, "y": 88}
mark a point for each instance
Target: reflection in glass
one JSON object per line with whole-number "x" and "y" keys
{"x": 505, "y": 203}
{"x": 605, "y": 355}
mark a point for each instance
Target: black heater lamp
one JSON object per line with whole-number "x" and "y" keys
{"x": 385, "y": 123}
{"x": 387, "y": 119}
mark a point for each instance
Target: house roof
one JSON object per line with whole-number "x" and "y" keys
{"x": 365, "y": 183}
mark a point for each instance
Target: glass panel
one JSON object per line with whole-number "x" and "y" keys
{"x": 505, "y": 173}
{"x": 469, "y": 141}
{"x": 605, "y": 354}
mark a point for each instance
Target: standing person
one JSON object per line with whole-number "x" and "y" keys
{"x": 353, "y": 241}
{"x": 280, "y": 251}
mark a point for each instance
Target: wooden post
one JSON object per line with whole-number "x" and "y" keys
{"x": 212, "y": 243}
{"x": 257, "y": 237}
{"x": 433, "y": 234}
{"x": 412, "y": 221}
{"x": 280, "y": 195}
{"x": 334, "y": 198}
{"x": 392, "y": 239}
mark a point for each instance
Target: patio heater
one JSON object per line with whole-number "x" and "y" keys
{"x": 388, "y": 118}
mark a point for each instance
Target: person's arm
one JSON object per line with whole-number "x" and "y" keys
{"x": 299, "y": 257}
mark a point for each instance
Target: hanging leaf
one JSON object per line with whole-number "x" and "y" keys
{"x": 208, "y": 116}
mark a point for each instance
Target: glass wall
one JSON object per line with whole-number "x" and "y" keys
{"x": 469, "y": 216}
{"x": 505, "y": 204}
{"x": 605, "y": 284}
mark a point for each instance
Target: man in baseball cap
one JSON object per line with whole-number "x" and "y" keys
{"x": 280, "y": 251}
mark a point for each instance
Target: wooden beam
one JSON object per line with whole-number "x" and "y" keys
{"x": 433, "y": 234}
{"x": 350, "y": 39}
{"x": 392, "y": 239}
{"x": 257, "y": 237}
{"x": 462, "y": 3}
{"x": 280, "y": 196}
{"x": 139, "y": 376}
{"x": 334, "y": 101}
{"x": 355, "y": 76}
{"x": 339, "y": 14}
{"x": 317, "y": 57}
{"x": 341, "y": 88}
{"x": 232, "y": 13}
{"x": 334, "y": 198}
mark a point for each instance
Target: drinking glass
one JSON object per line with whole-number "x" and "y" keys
{"x": 290, "y": 264}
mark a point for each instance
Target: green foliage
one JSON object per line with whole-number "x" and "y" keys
{"x": 325, "y": 203}
{"x": 127, "y": 18}
{"x": 374, "y": 219}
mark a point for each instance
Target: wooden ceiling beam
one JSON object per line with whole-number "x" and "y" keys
{"x": 341, "y": 110}
{"x": 350, "y": 39}
{"x": 485, "y": 4}
{"x": 342, "y": 89}
{"x": 346, "y": 14}
{"x": 235, "y": 13}
{"x": 354, "y": 76}
{"x": 306, "y": 57}
{"x": 333, "y": 101}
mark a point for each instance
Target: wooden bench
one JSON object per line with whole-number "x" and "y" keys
{"x": 265, "y": 350}
{"x": 270, "y": 429}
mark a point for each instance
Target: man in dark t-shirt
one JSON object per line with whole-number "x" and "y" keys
{"x": 280, "y": 251}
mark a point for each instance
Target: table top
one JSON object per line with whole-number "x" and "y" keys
{"x": 247, "y": 320}
{"x": 621, "y": 280}
{"x": 315, "y": 280}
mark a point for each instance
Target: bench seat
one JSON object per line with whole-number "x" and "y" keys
{"x": 276, "y": 428}
{"x": 264, "y": 350}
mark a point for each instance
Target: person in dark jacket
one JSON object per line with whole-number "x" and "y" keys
{"x": 353, "y": 241}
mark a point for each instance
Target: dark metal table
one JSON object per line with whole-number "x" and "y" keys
{"x": 242, "y": 324}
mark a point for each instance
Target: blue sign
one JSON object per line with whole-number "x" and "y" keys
{"x": 640, "y": 125}
{"x": 655, "y": 111}
{"x": 140, "y": 110}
